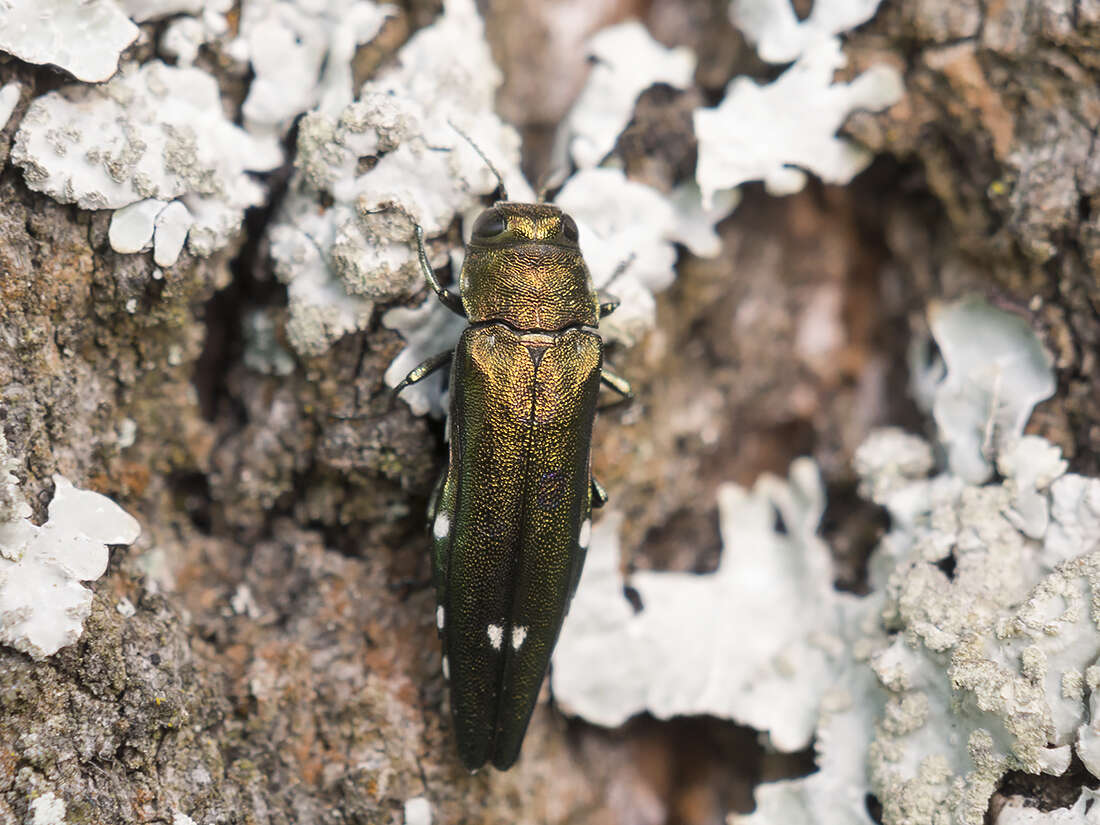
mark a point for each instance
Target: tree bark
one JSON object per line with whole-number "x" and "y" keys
{"x": 282, "y": 665}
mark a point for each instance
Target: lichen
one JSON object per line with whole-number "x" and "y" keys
{"x": 979, "y": 675}
{"x": 1019, "y": 810}
{"x": 778, "y": 34}
{"x": 43, "y": 604}
{"x": 627, "y": 235}
{"x": 184, "y": 35}
{"x": 391, "y": 158}
{"x": 85, "y": 39}
{"x": 676, "y": 656}
{"x": 626, "y": 62}
{"x": 983, "y": 402}
{"x": 301, "y": 55}
{"x": 9, "y": 97}
{"x": 972, "y": 655}
{"x": 47, "y": 809}
{"x": 153, "y": 137}
{"x": 418, "y": 811}
{"x": 775, "y": 131}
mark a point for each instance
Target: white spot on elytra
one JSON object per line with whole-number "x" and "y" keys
{"x": 518, "y": 635}
{"x": 496, "y": 635}
{"x": 439, "y": 617}
{"x": 446, "y": 669}
{"x": 442, "y": 526}
{"x": 586, "y": 533}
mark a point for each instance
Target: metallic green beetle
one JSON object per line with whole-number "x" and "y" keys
{"x": 511, "y": 516}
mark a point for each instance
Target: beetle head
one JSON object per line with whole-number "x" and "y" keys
{"x": 524, "y": 266}
{"x": 508, "y": 222}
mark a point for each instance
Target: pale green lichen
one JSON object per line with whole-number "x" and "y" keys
{"x": 43, "y": 604}
{"x": 969, "y": 658}
{"x": 674, "y": 658}
{"x": 996, "y": 372}
{"x": 343, "y": 237}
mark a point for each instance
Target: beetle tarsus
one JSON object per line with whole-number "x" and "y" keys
{"x": 599, "y": 494}
{"x": 608, "y": 305}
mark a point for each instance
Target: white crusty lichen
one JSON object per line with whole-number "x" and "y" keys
{"x": 995, "y": 631}
{"x": 142, "y": 11}
{"x": 9, "y": 97}
{"x": 428, "y": 329}
{"x": 777, "y": 132}
{"x": 976, "y": 651}
{"x": 83, "y": 38}
{"x": 629, "y": 227}
{"x": 675, "y": 656}
{"x": 780, "y": 37}
{"x": 1019, "y": 810}
{"x": 627, "y": 61}
{"x": 984, "y": 400}
{"x": 393, "y": 157}
{"x": 47, "y": 809}
{"x": 774, "y": 132}
{"x": 990, "y": 593}
{"x": 418, "y": 811}
{"x": 627, "y": 231}
{"x": 153, "y": 144}
{"x": 184, "y": 35}
{"x": 43, "y": 604}
{"x": 301, "y": 56}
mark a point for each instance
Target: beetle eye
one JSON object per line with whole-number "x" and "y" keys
{"x": 489, "y": 224}
{"x": 569, "y": 228}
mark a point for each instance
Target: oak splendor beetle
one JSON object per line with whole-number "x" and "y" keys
{"x": 510, "y": 518}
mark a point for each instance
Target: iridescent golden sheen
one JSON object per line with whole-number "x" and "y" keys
{"x": 508, "y": 512}
{"x": 516, "y": 491}
{"x": 531, "y": 276}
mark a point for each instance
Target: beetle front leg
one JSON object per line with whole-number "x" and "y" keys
{"x": 424, "y": 369}
{"x": 446, "y": 297}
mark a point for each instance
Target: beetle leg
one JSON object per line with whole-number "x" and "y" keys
{"x": 448, "y": 298}
{"x": 608, "y": 305}
{"x": 599, "y": 494}
{"x": 426, "y": 368}
{"x": 619, "y": 385}
{"x": 433, "y": 500}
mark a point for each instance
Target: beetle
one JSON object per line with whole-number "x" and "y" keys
{"x": 510, "y": 518}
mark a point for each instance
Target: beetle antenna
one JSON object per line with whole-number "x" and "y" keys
{"x": 489, "y": 163}
{"x": 551, "y": 179}
{"x": 622, "y": 267}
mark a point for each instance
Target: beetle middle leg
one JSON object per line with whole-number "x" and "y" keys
{"x": 424, "y": 369}
{"x": 619, "y": 385}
